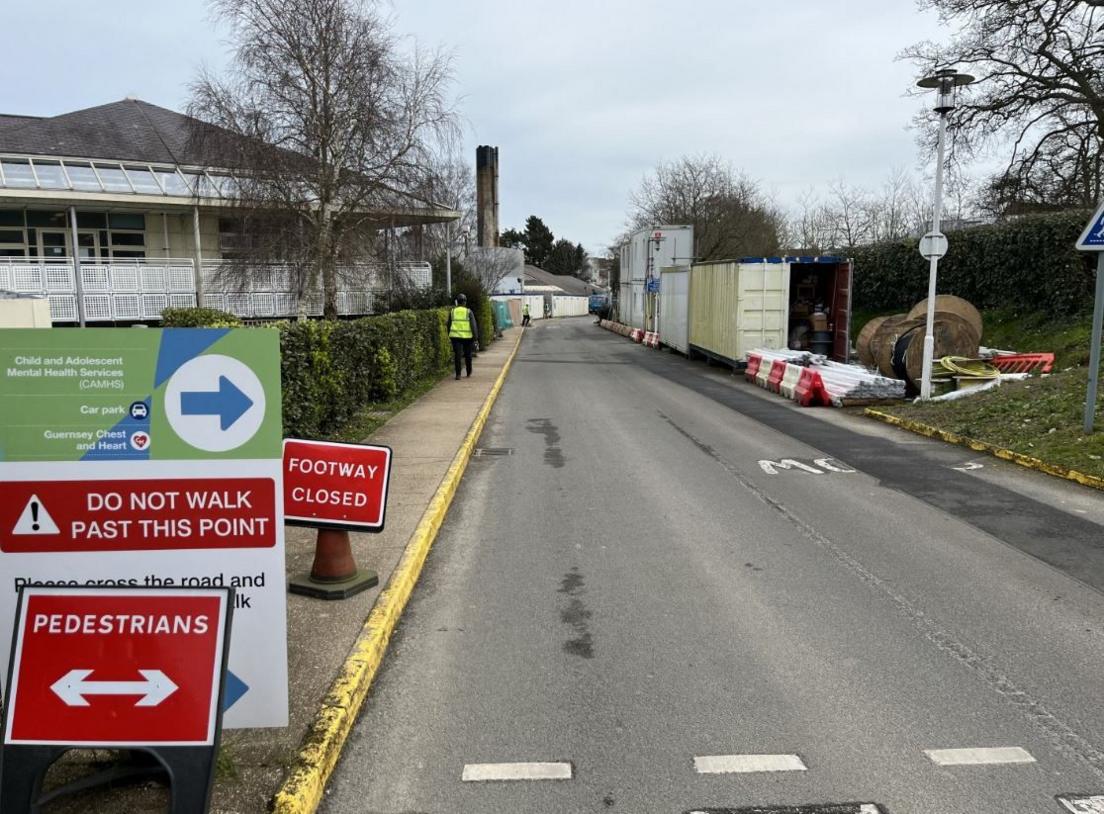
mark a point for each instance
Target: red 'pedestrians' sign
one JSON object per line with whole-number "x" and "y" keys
{"x": 114, "y": 667}
{"x": 138, "y": 515}
{"x": 331, "y": 485}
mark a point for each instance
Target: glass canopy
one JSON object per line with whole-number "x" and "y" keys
{"x": 20, "y": 172}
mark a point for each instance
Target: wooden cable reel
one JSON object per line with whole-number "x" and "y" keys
{"x": 862, "y": 341}
{"x": 880, "y": 347}
{"x": 950, "y": 304}
{"x": 954, "y": 336}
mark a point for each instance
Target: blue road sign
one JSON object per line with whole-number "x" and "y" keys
{"x": 229, "y": 403}
{"x": 1092, "y": 239}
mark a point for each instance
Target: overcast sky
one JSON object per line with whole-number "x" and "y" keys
{"x": 582, "y": 97}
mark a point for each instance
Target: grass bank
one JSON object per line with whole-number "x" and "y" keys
{"x": 1040, "y": 417}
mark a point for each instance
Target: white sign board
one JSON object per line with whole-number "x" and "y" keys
{"x": 151, "y": 459}
{"x": 933, "y": 244}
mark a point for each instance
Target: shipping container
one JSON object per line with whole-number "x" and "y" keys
{"x": 648, "y": 250}
{"x": 770, "y": 302}
{"x": 674, "y": 308}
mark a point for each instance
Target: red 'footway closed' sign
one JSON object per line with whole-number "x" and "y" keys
{"x": 116, "y": 667}
{"x": 138, "y": 515}
{"x": 330, "y": 485}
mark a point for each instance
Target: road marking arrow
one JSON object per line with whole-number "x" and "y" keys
{"x": 228, "y": 402}
{"x": 72, "y": 688}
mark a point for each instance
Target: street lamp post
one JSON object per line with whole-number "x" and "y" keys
{"x": 934, "y": 244}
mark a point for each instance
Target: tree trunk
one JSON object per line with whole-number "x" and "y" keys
{"x": 326, "y": 264}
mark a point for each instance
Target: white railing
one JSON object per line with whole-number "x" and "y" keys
{"x": 271, "y": 290}
{"x": 120, "y": 290}
{"x": 134, "y": 290}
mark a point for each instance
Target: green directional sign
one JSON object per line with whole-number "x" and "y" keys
{"x": 133, "y": 394}
{"x": 137, "y": 457}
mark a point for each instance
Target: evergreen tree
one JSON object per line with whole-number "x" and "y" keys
{"x": 538, "y": 241}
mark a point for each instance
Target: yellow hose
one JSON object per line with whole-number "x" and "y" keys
{"x": 978, "y": 368}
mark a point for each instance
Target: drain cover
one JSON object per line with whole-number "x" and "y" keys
{"x": 823, "y": 808}
{"x": 491, "y": 452}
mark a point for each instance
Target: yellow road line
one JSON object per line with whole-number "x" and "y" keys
{"x": 981, "y": 446}
{"x": 304, "y": 785}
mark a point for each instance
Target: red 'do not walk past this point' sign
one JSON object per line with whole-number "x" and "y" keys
{"x": 335, "y": 486}
{"x": 150, "y": 514}
{"x": 117, "y": 667}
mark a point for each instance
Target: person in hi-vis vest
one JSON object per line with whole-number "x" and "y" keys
{"x": 462, "y": 330}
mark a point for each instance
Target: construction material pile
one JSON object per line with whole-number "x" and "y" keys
{"x": 812, "y": 379}
{"x": 894, "y": 345}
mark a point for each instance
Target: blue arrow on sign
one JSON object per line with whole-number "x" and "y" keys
{"x": 228, "y": 403}
{"x": 235, "y": 689}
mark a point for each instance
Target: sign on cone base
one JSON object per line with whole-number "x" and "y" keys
{"x": 334, "y": 574}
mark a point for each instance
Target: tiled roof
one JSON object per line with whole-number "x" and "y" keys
{"x": 128, "y": 130}
{"x": 12, "y": 120}
{"x": 570, "y": 285}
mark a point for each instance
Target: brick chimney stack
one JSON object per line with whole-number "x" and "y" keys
{"x": 486, "y": 191}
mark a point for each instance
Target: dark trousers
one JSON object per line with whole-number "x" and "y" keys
{"x": 525, "y": 320}
{"x": 462, "y": 346}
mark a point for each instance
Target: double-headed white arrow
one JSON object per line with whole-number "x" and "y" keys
{"x": 72, "y": 688}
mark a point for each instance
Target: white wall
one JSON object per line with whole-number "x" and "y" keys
{"x": 570, "y": 306}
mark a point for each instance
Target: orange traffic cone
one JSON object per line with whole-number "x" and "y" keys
{"x": 334, "y": 573}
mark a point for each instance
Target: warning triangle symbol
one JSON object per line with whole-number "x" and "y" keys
{"x": 35, "y": 519}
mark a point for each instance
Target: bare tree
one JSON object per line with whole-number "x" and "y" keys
{"x": 729, "y": 214}
{"x": 1040, "y": 64}
{"x": 492, "y": 265}
{"x": 450, "y": 182}
{"x": 328, "y": 121}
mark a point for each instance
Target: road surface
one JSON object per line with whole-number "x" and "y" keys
{"x": 663, "y": 590}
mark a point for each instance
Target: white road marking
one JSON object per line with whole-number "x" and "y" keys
{"x": 481, "y": 772}
{"x": 978, "y": 757}
{"x": 1084, "y": 805}
{"x": 726, "y": 764}
{"x": 772, "y": 467}
{"x": 826, "y": 463}
{"x": 969, "y": 466}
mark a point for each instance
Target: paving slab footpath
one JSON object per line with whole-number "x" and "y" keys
{"x": 425, "y": 438}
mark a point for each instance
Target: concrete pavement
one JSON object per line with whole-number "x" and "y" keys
{"x": 629, "y": 597}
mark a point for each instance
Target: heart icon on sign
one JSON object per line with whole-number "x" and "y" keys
{"x": 140, "y": 440}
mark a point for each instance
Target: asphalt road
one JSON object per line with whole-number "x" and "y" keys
{"x": 631, "y": 601}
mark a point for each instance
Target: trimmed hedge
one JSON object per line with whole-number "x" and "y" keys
{"x": 198, "y": 318}
{"x": 332, "y": 369}
{"x": 1028, "y": 263}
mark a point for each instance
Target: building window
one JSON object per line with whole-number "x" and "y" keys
{"x": 113, "y": 177}
{"x": 18, "y": 173}
{"x": 173, "y": 183}
{"x": 50, "y": 175}
{"x": 91, "y": 220}
{"x": 83, "y": 177}
{"x": 143, "y": 181}
{"x": 53, "y": 220}
{"x": 127, "y": 220}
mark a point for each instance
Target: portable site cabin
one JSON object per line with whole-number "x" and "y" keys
{"x": 673, "y": 309}
{"x": 642, "y": 256}
{"x": 770, "y": 302}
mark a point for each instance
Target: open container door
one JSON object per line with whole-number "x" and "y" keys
{"x": 841, "y": 312}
